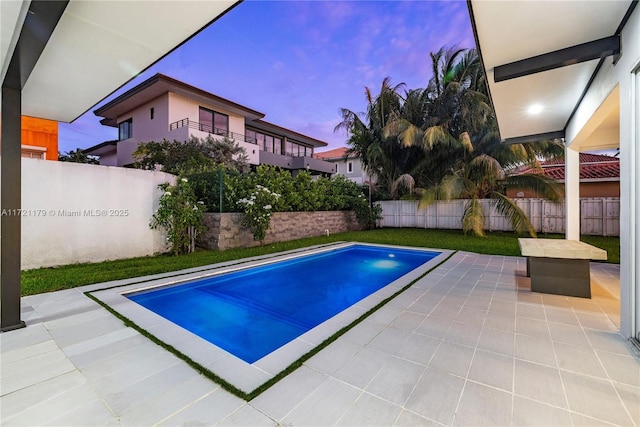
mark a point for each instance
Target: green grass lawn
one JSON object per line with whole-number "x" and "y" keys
{"x": 70, "y": 276}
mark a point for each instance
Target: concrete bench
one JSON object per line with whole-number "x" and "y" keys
{"x": 559, "y": 266}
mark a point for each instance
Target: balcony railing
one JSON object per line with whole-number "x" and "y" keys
{"x": 211, "y": 130}
{"x": 294, "y": 152}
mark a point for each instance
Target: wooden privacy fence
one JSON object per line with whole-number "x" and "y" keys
{"x": 599, "y": 216}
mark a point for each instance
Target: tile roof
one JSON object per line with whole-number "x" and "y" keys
{"x": 584, "y": 158}
{"x": 336, "y": 153}
{"x": 592, "y": 166}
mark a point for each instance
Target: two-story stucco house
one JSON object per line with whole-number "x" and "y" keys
{"x": 165, "y": 108}
{"x": 347, "y": 164}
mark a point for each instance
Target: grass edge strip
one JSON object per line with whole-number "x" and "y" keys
{"x": 279, "y": 376}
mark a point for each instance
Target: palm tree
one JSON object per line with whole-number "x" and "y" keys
{"x": 483, "y": 177}
{"x": 380, "y": 155}
{"x": 441, "y": 118}
{"x": 443, "y": 142}
{"x": 454, "y": 125}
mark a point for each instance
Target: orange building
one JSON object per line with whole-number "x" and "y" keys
{"x": 39, "y": 138}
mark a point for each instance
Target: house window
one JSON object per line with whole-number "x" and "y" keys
{"x": 337, "y": 168}
{"x": 151, "y": 113}
{"x": 125, "y": 129}
{"x": 268, "y": 143}
{"x": 289, "y": 148}
{"x": 250, "y": 136}
{"x": 30, "y": 152}
{"x": 297, "y": 150}
{"x": 260, "y": 140}
{"x": 213, "y": 122}
{"x": 350, "y": 167}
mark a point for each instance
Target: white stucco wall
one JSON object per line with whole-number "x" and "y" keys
{"x": 610, "y": 75}
{"x": 76, "y": 213}
{"x": 181, "y": 107}
{"x": 125, "y": 150}
{"x": 145, "y": 128}
{"x": 357, "y": 174}
{"x": 109, "y": 159}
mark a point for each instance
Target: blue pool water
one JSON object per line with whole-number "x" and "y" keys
{"x": 252, "y": 312}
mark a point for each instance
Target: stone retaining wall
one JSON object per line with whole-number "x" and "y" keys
{"x": 224, "y": 230}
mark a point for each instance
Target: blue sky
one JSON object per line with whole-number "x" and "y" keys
{"x": 300, "y": 61}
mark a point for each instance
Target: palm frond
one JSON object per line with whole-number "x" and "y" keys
{"x": 537, "y": 182}
{"x": 473, "y": 218}
{"x": 428, "y": 196}
{"x": 411, "y": 136}
{"x": 516, "y": 216}
{"x": 437, "y": 135}
{"x": 465, "y": 141}
{"x": 395, "y": 127}
{"x": 368, "y": 95}
{"x": 403, "y": 181}
{"x": 455, "y": 187}
{"x": 487, "y": 167}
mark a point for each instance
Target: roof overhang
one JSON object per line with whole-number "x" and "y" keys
{"x": 279, "y": 130}
{"x": 160, "y": 84}
{"x": 96, "y": 47}
{"x": 544, "y": 55}
{"x": 107, "y": 147}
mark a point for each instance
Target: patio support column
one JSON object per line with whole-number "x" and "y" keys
{"x": 630, "y": 207}
{"x": 10, "y": 203}
{"x": 35, "y": 31}
{"x": 572, "y": 194}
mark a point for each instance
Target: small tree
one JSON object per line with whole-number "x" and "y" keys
{"x": 193, "y": 156}
{"x": 77, "y": 156}
{"x": 180, "y": 215}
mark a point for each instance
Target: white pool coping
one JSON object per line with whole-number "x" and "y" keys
{"x": 245, "y": 376}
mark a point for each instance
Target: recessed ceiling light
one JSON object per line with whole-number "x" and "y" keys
{"x": 535, "y": 109}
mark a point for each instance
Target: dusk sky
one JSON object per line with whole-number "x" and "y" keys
{"x": 298, "y": 62}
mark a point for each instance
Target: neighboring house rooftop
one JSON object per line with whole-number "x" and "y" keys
{"x": 592, "y": 167}
{"x": 336, "y": 153}
{"x": 584, "y": 159}
{"x": 160, "y": 84}
{"x": 100, "y": 149}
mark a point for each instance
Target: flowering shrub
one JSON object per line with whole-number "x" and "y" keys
{"x": 302, "y": 193}
{"x": 180, "y": 215}
{"x": 257, "y": 209}
{"x": 367, "y": 215}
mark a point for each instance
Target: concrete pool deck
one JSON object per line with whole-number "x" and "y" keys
{"x": 242, "y": 375}
{"x": 468, "y": 344}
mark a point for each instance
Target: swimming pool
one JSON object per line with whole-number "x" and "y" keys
{"x": 252, "y": 312}
{"x": 224, "y": 365}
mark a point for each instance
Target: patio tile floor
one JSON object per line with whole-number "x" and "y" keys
{"x": 468, "y": 344}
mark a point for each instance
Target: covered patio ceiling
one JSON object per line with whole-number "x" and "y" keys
{"x": 96, "y": 46}
{"x": 58, "y": 58}
{"x": 540, "y": 58}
